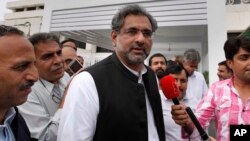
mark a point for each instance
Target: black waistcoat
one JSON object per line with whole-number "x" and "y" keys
{"x": 123, "y": 114}
{"x": 20, "y": 129}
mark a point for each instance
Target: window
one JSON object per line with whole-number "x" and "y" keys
{"x": 41, "y": 7}
{"x": 31, "y": 8}
{"x": 19, "y": 9}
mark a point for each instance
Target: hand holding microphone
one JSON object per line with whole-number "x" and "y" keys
{"x": 171, "y": 91}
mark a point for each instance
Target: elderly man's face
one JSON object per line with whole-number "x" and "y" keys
{"x": 49, "y": 61}
{"x": 17, "y": 70}
{"x": 190, "y": 66}
{"x": 134, "y": 41}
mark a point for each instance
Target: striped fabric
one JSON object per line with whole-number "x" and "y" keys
{"x": 223, "y": 103}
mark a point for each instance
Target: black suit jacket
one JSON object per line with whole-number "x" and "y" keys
{"x": 20, "y": 129}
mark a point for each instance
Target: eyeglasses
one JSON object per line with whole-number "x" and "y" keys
{"x": 134, "y": 32}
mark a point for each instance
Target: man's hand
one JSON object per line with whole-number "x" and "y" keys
{"x": 180, "y": 115}
{"x": 212, "y": 139}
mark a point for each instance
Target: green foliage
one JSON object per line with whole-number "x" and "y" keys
{"x": 246, "y": 33}
{"x": 206, "y": 76}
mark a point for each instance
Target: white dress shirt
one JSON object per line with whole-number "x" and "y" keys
{"x": 172, "y": 130}
{"x": 197, "y": 88}
{"x": 41, "y": 112}
{"x": 81, "y": 108}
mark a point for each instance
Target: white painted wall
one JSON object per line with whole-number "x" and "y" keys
{"x": 217, "y": 35}
{"x": 68, "y": 4}
{"x": 238, "y": 17}
{"x": 91, "y": 58}
{"x": 27, "y": 21}
{"x": 34, "y": 28}
{"x": 216, "y": 28}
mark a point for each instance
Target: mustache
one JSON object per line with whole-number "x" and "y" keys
{"x": 57, "y": 67}
{"x": 159, "y": 70}
{"x": 137, "y": 46}
{"x": 27, "y": 85}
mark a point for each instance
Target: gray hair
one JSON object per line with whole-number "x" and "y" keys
{"x": 5, "y": 30}
{"x": 192, "y": 55}
{"x": 118, "y": 19}
{"x": 43, "y": 38}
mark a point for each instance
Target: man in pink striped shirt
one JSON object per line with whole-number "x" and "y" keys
{"x": 228, "y": 101}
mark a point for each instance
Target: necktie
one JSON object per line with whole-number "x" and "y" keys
{"x": 56, "y": 94}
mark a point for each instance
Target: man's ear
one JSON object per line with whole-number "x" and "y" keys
{"x": 229, "y": 63}
{"x": 113, "y": 37}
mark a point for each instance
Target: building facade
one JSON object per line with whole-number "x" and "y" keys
{"x": 27, "y": 15}
{"x": 183, "y": 24}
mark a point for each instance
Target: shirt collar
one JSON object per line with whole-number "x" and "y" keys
{"x": 10, "y": 114}
{"x": 139, "y": 74}
{"x": 231, "y": 85}
{"x": 48, "y": 85}
{"x": 193, "y": 75}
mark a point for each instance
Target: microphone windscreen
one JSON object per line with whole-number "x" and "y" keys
{"x": 168, "y": 87}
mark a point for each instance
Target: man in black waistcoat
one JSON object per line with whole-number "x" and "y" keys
{"x": 17, "y": 75}
{"x": 117, "y": 99}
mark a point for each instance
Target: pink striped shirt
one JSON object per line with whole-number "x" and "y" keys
{"x": 223, "y": 103}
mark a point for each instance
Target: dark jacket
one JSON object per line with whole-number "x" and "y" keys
{"x": 20, "y": 129}
{"x": 122, "y": 112}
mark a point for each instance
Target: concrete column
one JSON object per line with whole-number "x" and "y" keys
{"x": 91, "y": 48}
{"x": 217, "y": 35}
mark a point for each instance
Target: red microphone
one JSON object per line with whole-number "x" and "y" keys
{"x": 169, "y": 88}
{"x": 171, "y": 91}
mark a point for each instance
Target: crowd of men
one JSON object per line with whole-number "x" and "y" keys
{"x": 119, "y": 98}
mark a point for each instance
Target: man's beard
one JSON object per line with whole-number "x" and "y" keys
{"x": 132, "y": 59}
{"x": 160, "y": 73}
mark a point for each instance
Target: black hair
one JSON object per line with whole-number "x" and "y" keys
{"x": 233, "y": 45}
{"x": 119, "y": 17}
{"x": 174, "y": 69}
{"x": 156, "y": 55}
{"x": 70, "y": 40}
{"x": 43, "y": 38}
{"x": 224, "y": 63}
{"x": 5, "y": 30}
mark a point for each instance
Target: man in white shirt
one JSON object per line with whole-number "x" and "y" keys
{"x": 118, "y": 98}
{"x": 43, "y": 107}
{"x": 173, "y": 131}
{"x": 158, "y": 62}
{"x": 197, "y": 86}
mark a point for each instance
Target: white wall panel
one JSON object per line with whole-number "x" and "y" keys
{"x": 167, "y": 13}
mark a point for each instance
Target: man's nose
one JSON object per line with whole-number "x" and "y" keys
{"x": 33, "y": 74}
